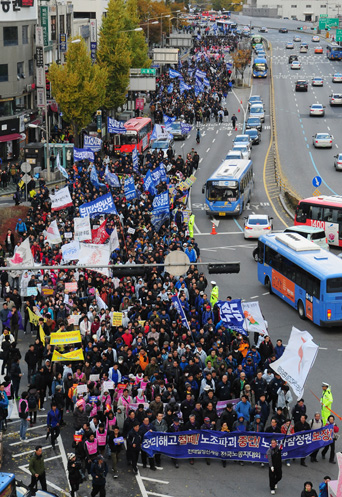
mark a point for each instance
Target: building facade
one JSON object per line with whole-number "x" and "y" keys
{"x": 301, "y": 10}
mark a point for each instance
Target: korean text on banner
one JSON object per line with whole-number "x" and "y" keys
{"x": 75, "y": 355}
{"x": 102, "y": 205}
{"x": 92, "y": 143}
{"x": 65, "y": 337}
{"x": 82, "y": 228}
{"x": 117, "y": 319}
{"x": 71, "y": 287}
{"x": 61, "y": 199}
{"x": 232, "y": 315}
{"x": 70, "y": 251}
{"x": 297, "y": 360}
{"x": 82, "y": 154}
{"x": 248, "y": 446}
{"x": 94, "y": 254}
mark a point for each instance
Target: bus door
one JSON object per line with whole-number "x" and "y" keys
{"x": 331, "y": 226}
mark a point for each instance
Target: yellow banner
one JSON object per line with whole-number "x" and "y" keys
{"x": 34, "y": 319}
{"x": 41, "y": 334}
{"x": 117, "y": 319}
{"x": 65, "y": 337}
{"x": 75, "y": 355}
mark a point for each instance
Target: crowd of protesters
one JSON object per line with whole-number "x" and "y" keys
{"x": 165, "y": 376}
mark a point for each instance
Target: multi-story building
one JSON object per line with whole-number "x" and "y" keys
{"x": 303, "y": 10}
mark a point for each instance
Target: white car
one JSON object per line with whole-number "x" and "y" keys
{"x": 256, "y": 225}
{"x": 322, "y": 140}
{"x": 244, "y": 149}
{"x": 295, "y": 64}
{"x": 337, "y": 77}
{"x": 315, "y": 39}
{"x": 257, "y": 110}
{"x": 317, "y": 81}
{"x": 297, "y": 39}
{"x": 242, "y": 139}
{"x": 338, "y": 162}
{"x": 289, "y": 45}
{"x": 317, "y": 110}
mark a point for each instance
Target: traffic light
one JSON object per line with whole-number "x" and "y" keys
{"x": 121, "y": 271}
{"x": 229, "y": 267}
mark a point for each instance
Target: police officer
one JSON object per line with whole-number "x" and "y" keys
{"x": 214, "y": 293}
{"x": 326, "y": 402}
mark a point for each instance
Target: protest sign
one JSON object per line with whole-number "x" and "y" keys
{"x": 117, "y": 319}
{"x": 71, "y": 287}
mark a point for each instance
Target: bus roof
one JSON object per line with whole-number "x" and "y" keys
{"x": 136, "y": 123}
{"x": 260, "y": 60}
{"x": 333, "y": 200}
{"x": 231, "y": 169}
{"x": 5, "y": 478}
{"x": 304, "y": 253}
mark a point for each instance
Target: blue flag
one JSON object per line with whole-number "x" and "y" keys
{"x": 170, "y": 88}
{"x": 129, "y": 188}
{"x": 168, "y": 120}
{"x": 180, "y": 64}
{"x": 111, "y": 178}
{"x": 231, "y": 314}
{"x": 174, "y": 74}
{"x": 92, "y": 143}
{"x": 158, "y": 174}
{"x": 94, "y": 178}
{"x": 200, "y": 74}
{"x": 206, "y": 82}
{"x": 185, "y": 128}
{"x": 161, "y": 210}
{"x": 82, "y": 154}
{"x": 61, "y": 168}
{"x": 183, "y": 87}
{"x": 178, "y": 306}
{"x": 149, "y": 184}
{"x": 114, "y": 126}
{"x": 135, "y": 160}
{"x": 102, "y": 205}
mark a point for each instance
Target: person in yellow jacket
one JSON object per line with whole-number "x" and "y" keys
{"x": 214, "y": 294}
{"x": 326, "y": 402}
{"x": 191, "y": 225}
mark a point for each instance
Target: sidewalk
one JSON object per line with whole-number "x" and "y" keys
{"x": 12, "y": 188}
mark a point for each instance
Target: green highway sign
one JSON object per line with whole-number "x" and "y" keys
{"x": 328, "y": 22}
{"x": 151, "y": 72}
{"x": 323, "y": 16}
{"x": 338, "y": 36}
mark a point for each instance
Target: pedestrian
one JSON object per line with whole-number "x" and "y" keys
{"x": 315, "y": 424}
{"x": 214, "y": 295}
{"x": 37, "y": 470}
{"x": 23, "y": 411}
{"x": 3, "y": 407}
{"x": 326, "y": 402}
{"x": 16, "y": 375}
{"x": 99, "y": 470}
{"x": 115, "y": 443}
{"x": 275, "y": 465}
{"x": 323, "y": 487}
{"x": 134, "y": 445}
{"x": 53, "y": 423}
{"x": 302, "y": 425}
{"x": 74, "y": 472}
{"x": 331, "y": 421}
{"x": 308, "y": 490}
{"x": 234, "y": 119}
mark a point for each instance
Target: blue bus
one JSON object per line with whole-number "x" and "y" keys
{"x": 334, "y": 52}
{"x": 303, "y": 275}
{"x": 260, "y": 68}
{"x": 230, "y": 188}
{"x": 7, "y": 485}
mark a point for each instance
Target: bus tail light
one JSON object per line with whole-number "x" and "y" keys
{"x": 329, "y": 313}
{"x": 330, "y": 141}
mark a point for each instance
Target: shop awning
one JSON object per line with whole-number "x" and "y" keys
{"x": 9, "y": 138}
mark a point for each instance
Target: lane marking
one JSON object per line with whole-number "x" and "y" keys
{"x": 317, "y": 171}
{"x": 20, "y": 454}
{"x": 27, "y": 440}
{"x": 237, "y": 224}
{"x": 207, "y": 150}
{"x": 141, "y": 485}
{"x": 154, "y": 480}
{"x": 214, "y": 140}
{"x": 323, "y": 348}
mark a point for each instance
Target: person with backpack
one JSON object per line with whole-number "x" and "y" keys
{"x": 32, "y": 400}
{"x": 23, "y": 410}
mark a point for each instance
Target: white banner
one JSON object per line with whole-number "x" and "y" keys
{"x": 52, "y": 234}
{"x": 101, "y": 304}
{"x": 114, "y": 240}
{"x": 92, "y": 253}
{"x": 71, "y": 251}
{"x": 254, "y": 320}
{"x": 22, "y": 255}
{"x": 82, "y": 229}
{"x": 297, "y": 360}
{"x": 61, "y": 199}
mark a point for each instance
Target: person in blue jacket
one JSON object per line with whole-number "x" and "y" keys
{"x": 53, "y": 423}
{"x": 3, "y": 406}
{"x": 323, "y": 487}
{"x": 243, "y": 408}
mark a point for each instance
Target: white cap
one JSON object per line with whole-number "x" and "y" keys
{"x": 324, "y": 384}
{"x": 213, "y": 283}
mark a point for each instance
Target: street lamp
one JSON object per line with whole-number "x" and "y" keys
{"x": 148, "y": 30}
{"x": 130, "y": 30}
{"x": 35, "y": 126}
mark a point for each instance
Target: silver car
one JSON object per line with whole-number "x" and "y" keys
{"x": 317, "y": 81}
{"x": 336, "y": 99}
{"x": 322, "y": 140}
{"x": 244, "y": 148}
{"x": 317, "y": 110}
{"x": 338, "y": 162}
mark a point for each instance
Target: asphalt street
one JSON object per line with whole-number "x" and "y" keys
{"x": 229, "y": 245}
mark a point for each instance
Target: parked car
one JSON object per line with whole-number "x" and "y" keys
{"x": 255, "y": 135}
{"x": 338, "y": 162}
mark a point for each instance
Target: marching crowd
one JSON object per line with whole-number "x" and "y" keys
{"x": 149, "y": 371}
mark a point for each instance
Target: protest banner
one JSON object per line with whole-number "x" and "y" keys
{"x": 102, "y": 205}
{"x": 94, "y": 254}
{"x": 254, "y": 320}
{"x": 33, "y": 318}
{"x": 94, "y": 377}
{"x": 107, "y": 385}
{"x": 92, "y": 143}
{"x": 61, "y": 199}
{"x": 47, "y": 291}
{"x": 249, "y": 446}
{"x": 31, "y": 290}
{"x": 75, "y": 355}
{"x": 70, "y": 251}
{"x": 65, "y": 337}
{"x": 82, "y": 229}
{"x": 22, "y": 255}
{"x": 83, "y": 154}
{"x": 52, "y": 235}
{"x": 232, "y": 315}
{"x": 71, "y": 287}
{"x": 82, "y": 389}
{"x": 117, "y": 319}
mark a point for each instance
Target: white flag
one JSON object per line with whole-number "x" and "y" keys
{"x": 61, "y": 168}
{"x": 82, "y": 229}
{"x": 52, "y": 234}
{"x": 297, "y": 360}
{"x": 99, "y": 301}
{"x": 22, "y": 255}
{"x": 114, "y": 240}
{"x": 61, "y": 199}
{"x": 92, "y": 253}
{"x": 70, "y": 251}
{"x": 254, "y": 320}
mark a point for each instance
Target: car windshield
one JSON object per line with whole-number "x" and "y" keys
{"x": 256, "y": 110}
{"x": 256, "y": 220}
{"x": 252, "y": 132}
{"x": 176, "y": 126}
{"x": 160, "y": 144}
{"x": 322, "y": 136}
{"x": 316, "y": 106}
{"x": 337, "y": 75}
{"x": 241, "y": 139}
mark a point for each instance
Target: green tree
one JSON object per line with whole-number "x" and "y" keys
{"x": 114, "y": 53}
{"x": 78, "y": 86}
{"x": 138, "y": 45}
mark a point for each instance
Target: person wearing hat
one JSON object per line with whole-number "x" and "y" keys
{"x": 214, "y": 295}
{"x": 323, "y": 487}
{"x": 75, "y": 478}
{"x": 302, "y": 425}
{"x": 326, "y": 402}
{"x": 308, "y": 491}
{"x": 331, "y": 421}
{"x": 99, "y": 470}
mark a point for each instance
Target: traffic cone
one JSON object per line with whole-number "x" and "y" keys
{"x": 213, "y": 230}
{"x": 241, "y": 102}
{"x": 238, "y": 110}
{"x": 236, "y": 129}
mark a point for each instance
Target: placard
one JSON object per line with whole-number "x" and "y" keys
{"x": 131, "y": 231}
{"x": 78, "y": 438}
{"x": 74, "y": 319}
{"x": 68, "y": 235}
{"x": 108, "y": 385}
{"x": 82, "y": 389}
{"x": 32, "y": 291}
{"x": 71, "y": 287}
{"x": 117, "y": 319}
{"x": 94, "y": 377}
{"x": 47, "y": 291}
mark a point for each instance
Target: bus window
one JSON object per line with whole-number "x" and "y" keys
{"x": 328, "y": 214}
{"x": 334, "y": 285}
{"x": 261, "y": 248}
{"x": 316, "y": 212}
{"x": 221, "y": 194}
{"x": 302, "y": 212}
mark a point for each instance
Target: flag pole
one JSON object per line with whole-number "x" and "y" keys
{"x": 339, "y": 417}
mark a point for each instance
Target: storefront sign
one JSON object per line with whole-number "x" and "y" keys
{"x": 44, "y": 20}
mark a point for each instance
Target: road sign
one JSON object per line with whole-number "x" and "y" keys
{"x": 317, "y": 181}
{"x": 150, "y": 71}
{"x": 181, "y": 261}
{"x": 316, "y": 193}
{"x": 323, "y": 16}
{"x": 338, "y": 36}
{"x": 25, "y": 167}
{"x": 26, "y": 178}
{"x": 328, "y": 22}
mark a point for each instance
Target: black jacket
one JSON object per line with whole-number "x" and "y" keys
{"x": 134, "y": 438}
